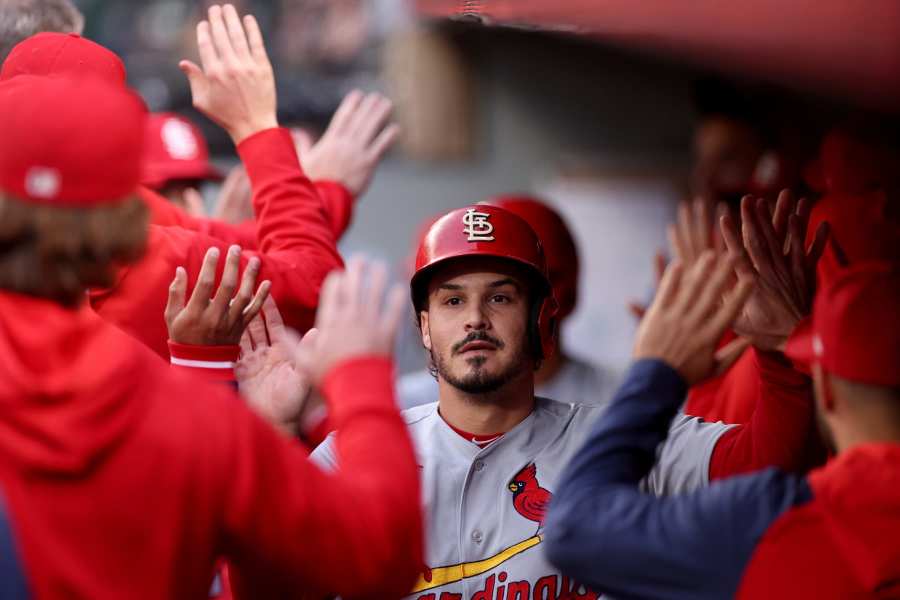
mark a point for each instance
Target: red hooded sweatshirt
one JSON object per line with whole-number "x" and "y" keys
{"x": 125, "y": 479}
{"x": 845, "y": 543}
{"x": 296, "y": 245}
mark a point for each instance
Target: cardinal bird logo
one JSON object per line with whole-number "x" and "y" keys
{"x": 529, "y": 498}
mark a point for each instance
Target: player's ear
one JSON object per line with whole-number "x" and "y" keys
{"x": 424, "y": 329}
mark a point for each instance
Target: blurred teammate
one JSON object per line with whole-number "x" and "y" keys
{"x": 490, "y": 452}
{"x": 832, "y": 534}
{"x": 21, "y": 19}
{"x": 176, "y": 158}
{"x": 124, "y": 479}
{"x": 560, "y": 376}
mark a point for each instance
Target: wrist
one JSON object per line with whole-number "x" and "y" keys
{"x": 242, "y": 131}
{"x": 211, "y": 362}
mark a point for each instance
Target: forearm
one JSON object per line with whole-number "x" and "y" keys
{"x": 778, "y": 433}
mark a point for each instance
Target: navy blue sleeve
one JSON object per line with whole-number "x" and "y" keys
{"x": 603, "y": 531}
{"x": 12, "y": 578}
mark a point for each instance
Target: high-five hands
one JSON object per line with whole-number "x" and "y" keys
{"x": 236, "y": 85}
{"x": 688, "y": 317}
{"x": 770, "y": 252}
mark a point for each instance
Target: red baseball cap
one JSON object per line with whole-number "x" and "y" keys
{"x": 559, "y": 245}
{"x": 854, "y": 331}
{"x": 69, "y": 143}
{"x": 67, "y": 54}
{"x": 174, "y": 148}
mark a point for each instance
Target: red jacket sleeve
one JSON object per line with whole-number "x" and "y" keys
{"x": 354, "y": 532}
{"x": 779, "y": 432}
{"x": 338, "y": 202}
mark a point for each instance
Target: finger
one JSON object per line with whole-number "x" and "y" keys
{"x": 219, "y": 33}
{"x": 752, "y": 238}
{"x": 177, "y": 293}
{"x": 797, "y": 255}
{"x": 209, "y": 57}
{"x": 685, "y": 231}
{"x": 676, "y": 243}
{"x": 377, "y": 283}
{"x": 254, "y": 308}
{"x": 701, "y": 226}
{"x": 247, "y": 341}
{"x": 718, "y": 241}
{"x": 236, "y": 32}
{"x": 228, "y": 282}
{"x": 817, "y": 248}
{"x": 764, "y": 226}
{"x": 195, "y": 76}
{"x": 193, "y": 203}
{"x": 783, "y": 209}
{"x": 205, "y": 280}
{"x": 395, "y": 308}
{"x": 729, "y": 309}
{"x": 694, "y": 281}
{"x": 343, "y": 116}
{"x": 384, "y": 142}
{"x": 274, "y": 322}
{"x": 637, "y": 309}
{"x": 659, "y": 265}
{"x": 668, "y": 286}
{"x": 256, "y": 327}
{"x": 804, "y": 208}
{"x": 305, "y": 351}
{"x": 329, "y": 300}
{"x": 363, "y": 113}
{"x": 715, "y": 284}
{"x": 255, "y": 39}
{"x": 353, "y": 284}
{"x": 245, "y": 293}
{"x": 728, "y": 354}
{"x": 375, "y": 120}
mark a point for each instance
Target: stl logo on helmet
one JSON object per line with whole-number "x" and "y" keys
{"x": 477, "y": 226}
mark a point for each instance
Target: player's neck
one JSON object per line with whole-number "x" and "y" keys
{"x": 482, "y": 414}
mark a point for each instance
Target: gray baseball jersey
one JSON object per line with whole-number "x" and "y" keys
{"x": 484, "y": 507}
{"x": 576, "y": 382}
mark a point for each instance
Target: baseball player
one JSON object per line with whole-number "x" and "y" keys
{"x": 490, "y": 452}
{"x": 561, "y": 377}
{"x": 296, "y": 235}
{"x": 830, "y": 535}
{"x": 176, "y": 158}
{"x": 124, "y": 479}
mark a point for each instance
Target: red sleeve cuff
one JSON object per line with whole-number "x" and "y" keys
{"x": 210, "y": 362}
{"x": 358, "y": 385}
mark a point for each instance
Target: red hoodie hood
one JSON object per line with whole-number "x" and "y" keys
{"x": 65, "y": 383}
{"x": 859, "y": 493}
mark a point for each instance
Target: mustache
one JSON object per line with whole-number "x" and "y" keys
{"x": 477, "y": 336}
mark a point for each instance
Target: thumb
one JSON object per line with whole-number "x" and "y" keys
{"x": 728, "y": 354}
{"x": 196, "y": 77}
{"x": 302, "y": 141}
{"x": 177, "y": 293}
{"x": 305, "y": 352}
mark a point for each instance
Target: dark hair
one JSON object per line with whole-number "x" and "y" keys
{"x": 57, "y": 253}
{"x": 21, "y": 19}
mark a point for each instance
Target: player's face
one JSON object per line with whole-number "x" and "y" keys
{"x": 476, "y": 325}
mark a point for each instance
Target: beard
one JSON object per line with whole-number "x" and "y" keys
{"x": 477, "y": 380}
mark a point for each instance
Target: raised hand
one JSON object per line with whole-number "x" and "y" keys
{"x": 770, "y": 252}
{"x": 236, "y": 86}
{"x": 266, "y": 375}
{"x": 219, "y": 321}
{"x": 353, "y": 145}
{"x": 694, "y": 232}
{"x": 354, "y": 319}
{"x": 688, "y": 317}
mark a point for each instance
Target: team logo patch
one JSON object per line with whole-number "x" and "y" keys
{"x": 179, "y": 140}
{"x": 477, "y": 226}
{"x": 43, "y": 182}
{"x": 531, "y": 502}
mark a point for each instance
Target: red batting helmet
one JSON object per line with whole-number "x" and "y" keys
{"x": 559, "y": 246}
{"x": 485, "y": 230}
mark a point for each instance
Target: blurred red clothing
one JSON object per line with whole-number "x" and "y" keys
{"x": 296, "y": 246}
{"x": 126, "y": 479}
